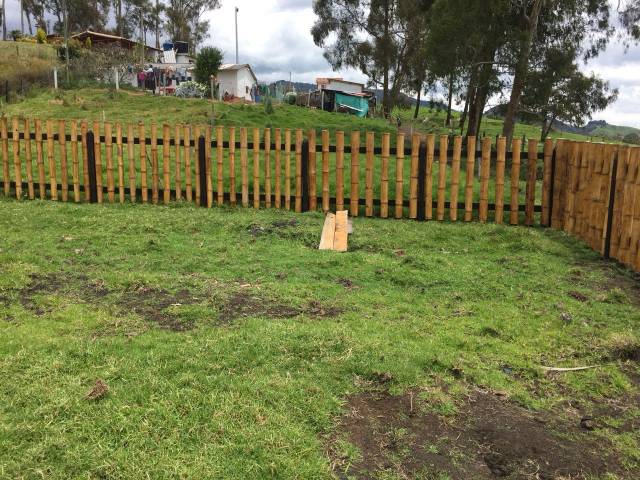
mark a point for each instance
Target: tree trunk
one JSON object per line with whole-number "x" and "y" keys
{"x": 4, "y": 20}
{"x": 22, "y": 17}
{"x": 415, "y": 114}
{"x": 520, "y": 77}
{"x": 29, "y": 23}
{"x": 448, "y": 122}
{"x": 157, "y": 25}
{"x": 119, "y": 18}
{"x": 386, "y": 101}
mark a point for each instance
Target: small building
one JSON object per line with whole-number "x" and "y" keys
{"x": 236, "y": 80}
{"x": 98, "y": 38}
{"x": 339, "y": 85}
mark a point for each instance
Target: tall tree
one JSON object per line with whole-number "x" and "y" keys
{"x": 83, "y": 14}
{"x": 184, "y": 20}
{"x": 374, "y": 36}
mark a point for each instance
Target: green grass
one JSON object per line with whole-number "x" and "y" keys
{"x": 252, "y": 396}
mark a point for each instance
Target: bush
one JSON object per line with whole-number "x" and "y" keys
{"x": 290, "y": 98}
{"x": 208, "y": 63}
{"x": 41, "y": 36}
{"x": 632, "y": 138}
{"x": 268, "y": 106}
{"x": 191, "y": 90}
{"x": 16, "y": 35}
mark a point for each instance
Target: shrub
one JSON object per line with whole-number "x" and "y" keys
{"x": 41, "y": 36}
{"x": 16, "y": 35}
{"x": 290, "y": 98}
{"x": 191, "y": 90}
{"x": 208, "y": 63}
{"x": 632, "y": 138}
{"x": 268, "y": 106}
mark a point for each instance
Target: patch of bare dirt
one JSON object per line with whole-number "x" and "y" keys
{"x": 98, "y": 392}
{"x": 615, "y": 281}
{"x": 250, "y": 303}
{"x": 153, "y": 304}
{"x": 489, "y": 438}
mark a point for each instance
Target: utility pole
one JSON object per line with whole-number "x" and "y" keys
{"x": 142, "y": 45}
{"x": 237, "y": 56}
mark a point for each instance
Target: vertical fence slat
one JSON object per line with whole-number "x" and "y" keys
{"x": 514, "y": 214}
{"x": 455, "y": 178}
{"x": 178, "y": 165}
{"x": 442, "y": 176}
{"x": 120, "y": 157}
{"x": 501, "y": 149}
{"x": 572, "y": 187}
{"x": 313, "y": 166}
{"x": 188, "y": 181}
{"x": 108, "y": 148}
{"x": 278, "y": 168}
{"x": 626, "y": 227}
{"x": 299, "y": 140}
{"x": 64, "y": 169}
{"x": 84, "y": 127}
{"x": 532, "y": 173}
{"x": 267, "y": 167}
{"x": 325, "y": 172}
{"x": 428, "y": 191}
{"x": 485, "y": 170}
{"x": 244, "y": 166}
{"x": 339, "y": 171}
{"x": 97, "y": 151}
{"x": 468, "y": 189}
{"x": 287, "y": 169}
{"x": 4, "y": 135}
{"x": 17, "y": 163}
{"x": 232, "y": 166}
{"x": 384, "y": 176}
{"x": 220, "y": 163}
{"x": 143, "y": 162}
{"x": 399, "y": 200}
{"x": 355, "y": 173}
{"x": 75, "y": 164}
{"x": 196, "y": 166}
{"x": 413, "y": 177}
{"x": 617, "y": 247}
{"x": 208, "y": 167}
{"x": 155, "y": 169}
{"x": 635, "y": 234}
{"x": 132, "y": 162}
{"x": 368, "y": 184}
{"x": 40, "y": 160}
{"x": 51, "y": 160}
{"x": 28, "y": 158}
{"x": 546, "y": 182}
{"x": 166, "y": 165}
{"x": 256, "y": 168}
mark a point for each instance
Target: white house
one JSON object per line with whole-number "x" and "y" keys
{"x": 236, "y": 80}
{"x": 339, "y": 85}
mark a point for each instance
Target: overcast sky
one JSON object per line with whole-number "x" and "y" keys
{"x": 275, "y": 39}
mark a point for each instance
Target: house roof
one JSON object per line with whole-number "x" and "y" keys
{"x": 327, "y": 81}
{"x": 234, "y": 67}
{"x": 97, "y": 37}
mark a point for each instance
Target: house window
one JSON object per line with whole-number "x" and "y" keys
{"x": 247, "y": 89}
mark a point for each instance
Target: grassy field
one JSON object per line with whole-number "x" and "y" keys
{"x": 153, "y": 342}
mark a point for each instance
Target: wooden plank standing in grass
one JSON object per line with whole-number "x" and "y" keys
{"x": 428, "y": 188}
{"x": 278, "y": 168}
{"x": 442, "y": 176}
{"x": 64, "y": 168}
{"x": 485, "y": 171}
{"x": 267, "y": 167}
{"x": 326, "y": 196}
{"x": 120, "y": 160}
{"x": 384, "y": 176}
{"x": 256, "y": 168}
{"x": 40, "y": 160}
{"x": 178, "y": 159}
{"x": 455, "y": 178}
{"x": 313, "y": 165}
{"x": 413, "y": 177}
{"x": 4, "y": 135}
{"x": 468, "y": 189}
{"x": 501, "y": 149}
{"x": 196, "y": 162}
{"x": 17, "y": 164}
{"x": 220, "y": 163}
{"x": 143, "y": 163}
{"x": 109, "y": 162}
{"x": 166, "y": 164}
{"x": 232, "y": 166}
{"x": 339, "y": 170}
{"x": 546, "y": 182}
{"x": 355, "y": 173}
{"x": 131, "y": 160}
{"x": 51, "y": 160}
{"x": 368, "y": 183}
{"x": 84, "y": 128}
{"x": 98, "y": 157}
{"x": 532, "y": 173}
{"x": 514, "y": 214}
{"x": 287, "y": 169}
{"x": 75, "y": 163}
{"x": 244, "y": 166}
{"x": 399, "y": 200}
{"x": 28, "y": 158}
{"x": 209, "y": 166}
{"x": 188, "y": 181}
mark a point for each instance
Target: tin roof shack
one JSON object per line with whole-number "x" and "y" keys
{"x": 97, "y": 38}
{"x": 338, "y": 95}
{"x": 236, "y": 80}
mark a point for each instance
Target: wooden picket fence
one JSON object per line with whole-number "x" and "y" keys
{"x": 587, "y": 189}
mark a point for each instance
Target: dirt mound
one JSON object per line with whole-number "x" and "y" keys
{"x": 490, "y": 437}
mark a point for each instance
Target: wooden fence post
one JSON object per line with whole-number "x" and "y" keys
{"x": 610, "y": 210}
{"x": 305, "y": 175}
{"x": 91, "y": 167}
{"x": 422, "y": 174}
{"x": 202, "y": 171}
